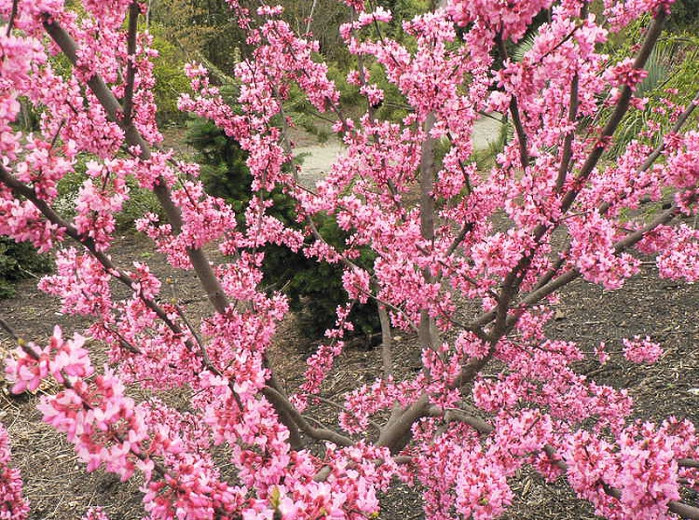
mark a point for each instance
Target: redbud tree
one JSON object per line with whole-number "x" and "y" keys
{"x": 554, "y": 207}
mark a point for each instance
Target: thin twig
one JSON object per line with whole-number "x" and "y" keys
{"x": 7, "y": 328}
{"x": 516, "y": 119}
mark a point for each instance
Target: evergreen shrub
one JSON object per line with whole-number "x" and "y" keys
{"x": 314, "y": 288}
{"x": 17, "y": 262}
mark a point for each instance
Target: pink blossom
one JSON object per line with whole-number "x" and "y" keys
{"x": 624, "y": 73}
{"x": 13, "y": 506}
{"x": 640, "y": 350}
{"x": 95, "y": 513}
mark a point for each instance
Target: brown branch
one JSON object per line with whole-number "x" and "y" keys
{"x": 310, "y": 17}
{"x": 457, "y": 415}
{"x": 112, "y": 107}
{"x": 680, "y": 508}
{"x": 169, "y": 478}
{"x": 566, "y": 38}
{"x": 628, "y": 241}
{"x": 622, "y": 107}
{"x": 127, "y": 345}
{"x": 197, "y": 257}
{"x": 206, "y": 360}
{"x": 650, "y": 160}
{"x": 688, "y": 463}
{"x": 553, "y": 271}
{"x": 13, "y": 15}
{"x": 517, "y": 274}
{"x": 681, "y": 120}
{"x": 195, "y": 335}
{"x": 570, "y": 136}
{"x": 323, "y": 434}
{"x": 397, "y": 432}
{"x": 515, "y": 277}
{"x": 426, "y": 331}
{"x": 360, "y": 67}
{"x": 516, "y": 119}
{"x": 549, "y": 288}
{"x": 471, "y": 369}
{"x": 131, "y": 65}
{"x": 482, "y": 427}
{"x": 21, "y": 189}
{"x": 386, "y": 342}
{"x": 465, "y": 229}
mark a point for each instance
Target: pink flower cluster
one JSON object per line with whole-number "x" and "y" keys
{"x": 625, "y": 73}
{"x": 620, "y": 14}
{"x": 95, "y": 415}
{"x": 13, "y": 506}
{"x": 641, "y": 463}
{"x": 461, "y": 475}
{"x": 640, "y": 350}
{"x": 509, "y": 19}
{"x": 469, "y": 257}
{"x": 95, "y": 513}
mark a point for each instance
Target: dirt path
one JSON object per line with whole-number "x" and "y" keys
{"x": 318, "y": 158}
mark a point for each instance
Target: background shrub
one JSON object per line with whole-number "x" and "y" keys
{"x": 19, "y": 261}
{"x": 314, "y": 288}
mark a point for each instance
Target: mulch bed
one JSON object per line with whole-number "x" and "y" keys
{"x": 59, "y": 488}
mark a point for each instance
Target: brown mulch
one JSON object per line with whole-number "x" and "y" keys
{"x": 59, "y": 488}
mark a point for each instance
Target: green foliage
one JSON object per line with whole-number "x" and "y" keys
{"x": 201, "y": 29}
{"x": 684, "y": 16}
{"x": 170, "y": 79}
{"x": 673, "y": 65}
{"x": 28, "y": 117}
{"x": 326, "y": 18}
{"x": 394, "y": 107}
{"x": 314, "y": 288}
{"x": 140, "y": 202}
{"x": 636, "y": 120}
{"x": 19, "y": 261}
{"x": 682, "y": 50}
{"x": 485, "y": 157}
{"x": 222, "y": 162}
{"x": 523, "y": 46}
{"x": 304, "y": 114}
{"x": 325, "y": 28}
{"x": 403, "y": 10}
